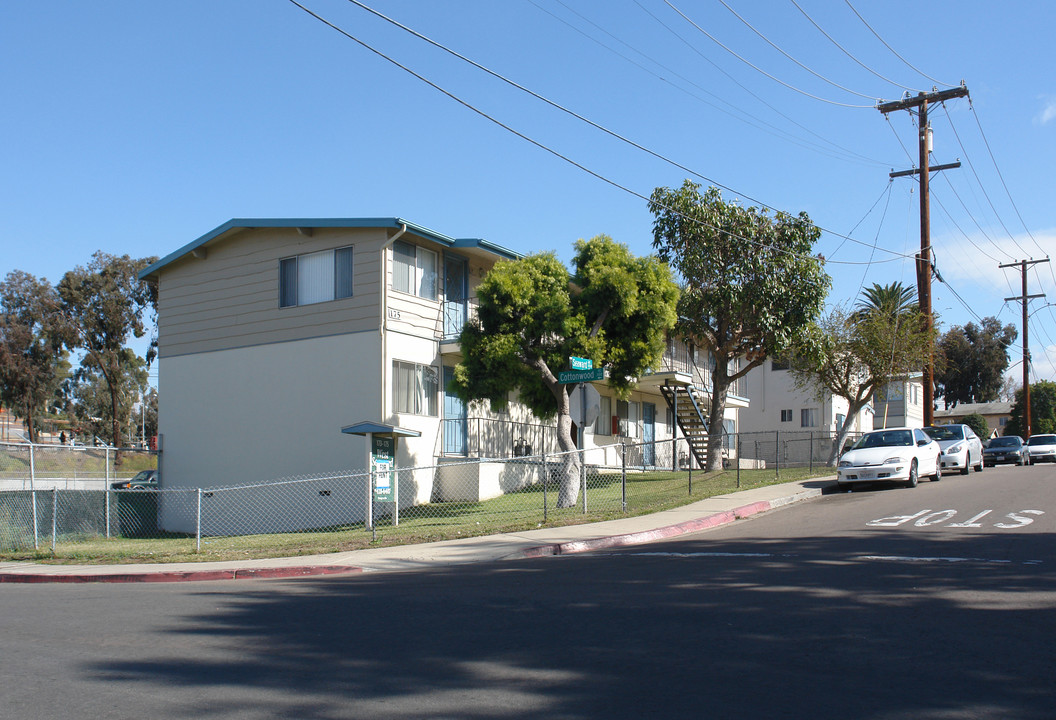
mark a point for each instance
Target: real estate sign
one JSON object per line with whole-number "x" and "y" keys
{"x": 382, "y": 454}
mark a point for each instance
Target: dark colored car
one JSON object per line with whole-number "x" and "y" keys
{"x": 1006, "y": 449}
{"x": 143, "y": 480}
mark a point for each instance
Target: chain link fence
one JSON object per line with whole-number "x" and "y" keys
{"x": 499, "y": 494}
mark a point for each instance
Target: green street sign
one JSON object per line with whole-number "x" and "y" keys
{"x": 578, "y": 363}
{"x": 578, "y": 376}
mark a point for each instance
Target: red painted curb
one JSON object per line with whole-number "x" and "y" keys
{"x": 645, "y": 536}
{"x": 181, "y": 576}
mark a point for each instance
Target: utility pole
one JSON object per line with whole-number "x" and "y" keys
{"x": 1025, "y": 299}
{"x": 921, "y": 102}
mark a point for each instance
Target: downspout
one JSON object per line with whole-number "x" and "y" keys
{"x": 383, "y": 319}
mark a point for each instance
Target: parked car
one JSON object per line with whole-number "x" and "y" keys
{"x": 1042, "y": 448}
{"x": 891, "y": 455}
{"x": 961, "y": 447}
{"x": 143, "y": 480}
{"x": 1006, "y": 449}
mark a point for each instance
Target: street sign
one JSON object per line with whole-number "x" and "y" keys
{"x": 578, "y": 376}
{"x": 578, "y": 363}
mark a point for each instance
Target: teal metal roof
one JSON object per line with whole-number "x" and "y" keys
{"x": 393, "y": 222}
{"x": 376, "y": 428}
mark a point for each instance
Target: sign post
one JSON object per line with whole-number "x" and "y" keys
{"x": 382, "y": 483}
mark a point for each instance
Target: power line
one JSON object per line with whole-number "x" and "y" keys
{"x": 734, "y": 80}
{"x": 756, "y": 67}
{"x": 776, "y": 131}
{"x": 981, "y": 186}
{"x": 797, "y": 62}
{"x": 556, "y": 106}
{"x": 877, "y": 35}
{"x": 847, "y": 53}
{"x": 547, "y": 149}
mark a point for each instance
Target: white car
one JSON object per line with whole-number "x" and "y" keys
{"x": 891, "y": 455}
{"x": 1042, "y": 448}
{"x": 961, "y": 447}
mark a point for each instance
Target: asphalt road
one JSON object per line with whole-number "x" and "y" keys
{"x": 930, "y": 603}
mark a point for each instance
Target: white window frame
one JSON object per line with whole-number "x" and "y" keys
{"x": 415, "y": 388}
{"x": 808, "y": 417}
{"x": 418, "y": 280}
{"x": 603, "y": 426}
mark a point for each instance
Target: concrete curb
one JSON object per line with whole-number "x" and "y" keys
{"x": 180, "y": 576}
{"x": 669, "y": 531}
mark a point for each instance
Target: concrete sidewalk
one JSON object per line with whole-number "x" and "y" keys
{"x": 701, "y": 515}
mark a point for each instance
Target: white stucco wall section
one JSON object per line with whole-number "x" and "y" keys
{"x": 260, "y": 413}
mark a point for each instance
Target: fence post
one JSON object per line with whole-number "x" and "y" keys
{"x": 198, "y": 524}
{"x": 623, "y": 473}
{"x": 546, "y": 480}
{"x": 811, "y": 461}
{"x": 32, "y": 470}
{"x": 583, "y": 478}
{"x": 738, "y": 460}
{"x": 777, "y": 454}
{"x": 54, "y": 516}
{"x": 106, "y": 493}
{"x": 35, "y": 529}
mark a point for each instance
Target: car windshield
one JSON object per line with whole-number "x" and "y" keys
{"x": 886, "y": 438}
{"x": 1005, "y": 442}
{"x": 1042, "y": 440}
{"x": 946, "y": 432}
{"x": 143, "y": 475}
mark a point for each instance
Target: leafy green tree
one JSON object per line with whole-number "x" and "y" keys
{"x": 853, "y": 355}
{"x": 93, "y": 405}
{"x": 750, "y": 287}
{"x": 533, "y": 315}
{"x": 1042, "y": 410}
{"x": 971, "y": 361}
{"x": 32, "y": 359}
{"x": 102, "y": 307}
{"x": 978, "y": 425}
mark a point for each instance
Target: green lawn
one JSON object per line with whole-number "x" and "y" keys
{"x": 646, "y": 493}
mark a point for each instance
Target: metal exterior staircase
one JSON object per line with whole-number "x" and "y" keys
{"x": 687, "y": 405}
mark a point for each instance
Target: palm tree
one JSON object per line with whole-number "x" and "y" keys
{"x": 893, "y": 300}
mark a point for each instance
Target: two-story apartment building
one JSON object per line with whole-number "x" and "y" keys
{"x": 777, "y": 405}
{"x": 274, "y": 334}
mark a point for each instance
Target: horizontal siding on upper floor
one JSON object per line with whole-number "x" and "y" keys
{"x": 230, "y": 298}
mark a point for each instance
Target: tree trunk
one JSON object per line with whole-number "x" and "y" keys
{"x": 720, "y": 387}
{"x": 568, "y": 492}
{"x": 841, "y": 434}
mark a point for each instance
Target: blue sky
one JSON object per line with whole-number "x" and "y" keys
{"x": 135, "y": 127}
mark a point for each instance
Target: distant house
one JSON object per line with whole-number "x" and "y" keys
{"x": 776, "y": 404}
{"x": 997, "y": 415}
{"x": 274, "y": 334}
{"x": 899, "y": 403}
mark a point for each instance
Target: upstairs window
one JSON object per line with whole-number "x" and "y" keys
{"x": 315, "y": 277}
{"x": 786, "y": 415}
{"x": 414, "y": 270}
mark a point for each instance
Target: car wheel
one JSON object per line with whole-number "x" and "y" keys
{"x": 980, "y": 466}
{"x": 967, "y": 464}
{"x": 938, "y": 470}
{"x": 912, "y": 481}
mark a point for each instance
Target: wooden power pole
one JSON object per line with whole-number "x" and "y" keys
{"x": 1025, "y": 299}
{"x": 921, "y": 102}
